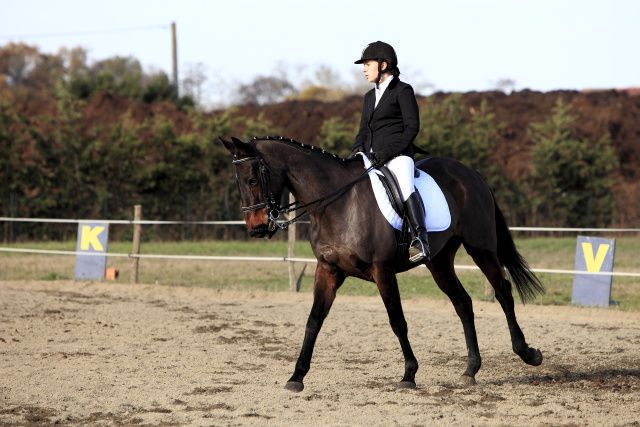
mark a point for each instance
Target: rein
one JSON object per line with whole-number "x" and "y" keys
{"x": 330, "y": 198}
{"x": 275, "y": 210}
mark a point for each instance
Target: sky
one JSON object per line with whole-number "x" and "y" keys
{"x": 453, "y": 45}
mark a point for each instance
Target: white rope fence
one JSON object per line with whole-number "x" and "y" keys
{"x": 118, "y": 221}
{"x": 272, "y": 259}
{"x": 573, "y": 230}
{"x": 278, "y": 258}
{"x": 240, "y": 222}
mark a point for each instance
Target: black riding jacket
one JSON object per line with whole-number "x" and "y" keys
{"x": 390, "y": 128}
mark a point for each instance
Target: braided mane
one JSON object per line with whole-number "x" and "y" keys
{"x": 296, "y": 144}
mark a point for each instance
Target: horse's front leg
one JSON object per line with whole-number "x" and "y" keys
{"x": 327, "y": 281}
{"x": 387, "y": 283}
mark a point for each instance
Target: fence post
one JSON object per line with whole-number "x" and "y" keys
{"x": 293, "y": 287}
{"x": 135, "y": 249}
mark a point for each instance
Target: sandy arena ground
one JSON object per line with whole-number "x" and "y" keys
{"x": 87, "y": 353}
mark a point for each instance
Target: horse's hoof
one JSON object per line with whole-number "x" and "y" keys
{"x": 467, "y": 380}
{"x": 294, "y": 386}
{"x": 536, "y": 360}
{"x": 406, "y": 385}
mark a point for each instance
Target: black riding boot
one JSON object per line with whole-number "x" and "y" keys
{"x": 419, "y": 248}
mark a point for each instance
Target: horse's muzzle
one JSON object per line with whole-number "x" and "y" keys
{"x": 258, "y": 224}
{"x": 261, "y": 230}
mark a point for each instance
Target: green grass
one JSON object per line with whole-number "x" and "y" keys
{"x": 548, "y": 252}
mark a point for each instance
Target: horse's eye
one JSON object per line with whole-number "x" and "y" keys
{"x": 253, "y": 182}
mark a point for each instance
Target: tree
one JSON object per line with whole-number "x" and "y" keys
{"x": 26, "y": 74}
{"x": 17, "y": 62}
{"x": 571, "y": 178}
{"x": 451, "y": 129}
{"x": 117, "y": 75}
{"x": 337, "y": 135}
{"x": 258, "y": 126}
{"x": 505, "y": 85}
{"x": 194, "y": 80}
{"x": 326, "y": 86}
{"x": 470, "y": 135}
{"x": 320, "y": 93}
{"x": 158, "y": 87}
{"x": 264, "y": 90}
{"x": 10, "y": 159}
{"x": 74, "y": 59}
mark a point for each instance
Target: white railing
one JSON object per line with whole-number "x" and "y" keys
{"x": 240, "y": 222}
{"x": 270, "y": 259}
{"x": 289, "y": 259}
{"x": 118, "y": 221}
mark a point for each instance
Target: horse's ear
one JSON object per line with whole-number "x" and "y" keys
{"x": 228, "y": 145}
{"x": 235, "y": 146}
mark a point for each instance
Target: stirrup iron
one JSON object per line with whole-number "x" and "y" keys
{"x": 417, "y": 251}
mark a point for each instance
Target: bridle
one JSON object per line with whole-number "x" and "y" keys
{"x": 264, "y": 180}
{"x": 274, "y": 210}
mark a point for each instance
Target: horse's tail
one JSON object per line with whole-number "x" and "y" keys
{"x": 526, "y": 282}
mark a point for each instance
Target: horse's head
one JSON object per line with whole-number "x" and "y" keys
{"x": 260, "y": 188}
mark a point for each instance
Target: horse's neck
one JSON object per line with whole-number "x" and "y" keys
{"x": 310, "y": 181}
{"x": 311, "y": 175}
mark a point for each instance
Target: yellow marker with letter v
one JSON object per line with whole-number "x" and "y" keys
{"x": 594, "y": 263}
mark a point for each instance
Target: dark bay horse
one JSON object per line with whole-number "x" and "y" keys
{"x": 350, "y": 237}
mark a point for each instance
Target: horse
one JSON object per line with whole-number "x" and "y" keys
{"x": 350, "y": 237}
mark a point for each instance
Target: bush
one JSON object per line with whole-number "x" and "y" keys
{"x": 337, "y": 135}
{"x": 449, "y": 129}
{"x": 571, "y": 178}
{"x": 469, "y": 135}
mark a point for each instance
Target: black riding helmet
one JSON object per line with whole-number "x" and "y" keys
{"x": 380, "y": 51}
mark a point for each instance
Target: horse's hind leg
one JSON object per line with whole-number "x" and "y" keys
{"x": 490, "y": 266}
{"x": 387, "y": 283}
{"x": 327, "y": 281}
{"x": 443, "y": 273}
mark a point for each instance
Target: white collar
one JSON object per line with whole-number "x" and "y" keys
{"x": 383, "y": 85}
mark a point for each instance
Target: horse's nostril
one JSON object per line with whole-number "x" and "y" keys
{"x": 259, "y": 231}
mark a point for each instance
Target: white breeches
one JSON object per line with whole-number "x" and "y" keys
{"x": 402, "y": 167}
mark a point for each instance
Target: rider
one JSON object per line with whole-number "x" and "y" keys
{"x": 388, "y": 126}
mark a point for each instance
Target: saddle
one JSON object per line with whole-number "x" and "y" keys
{"x": 392, "y": 188}
{"x": 438, "y": 218}
{"x": 390, "y": 204}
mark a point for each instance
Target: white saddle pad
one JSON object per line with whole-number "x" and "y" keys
{"x": 437, "y": 215}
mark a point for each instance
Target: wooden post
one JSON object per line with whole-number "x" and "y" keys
{"x": 293, "y": 286}
{"x": 135, "y": 249}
